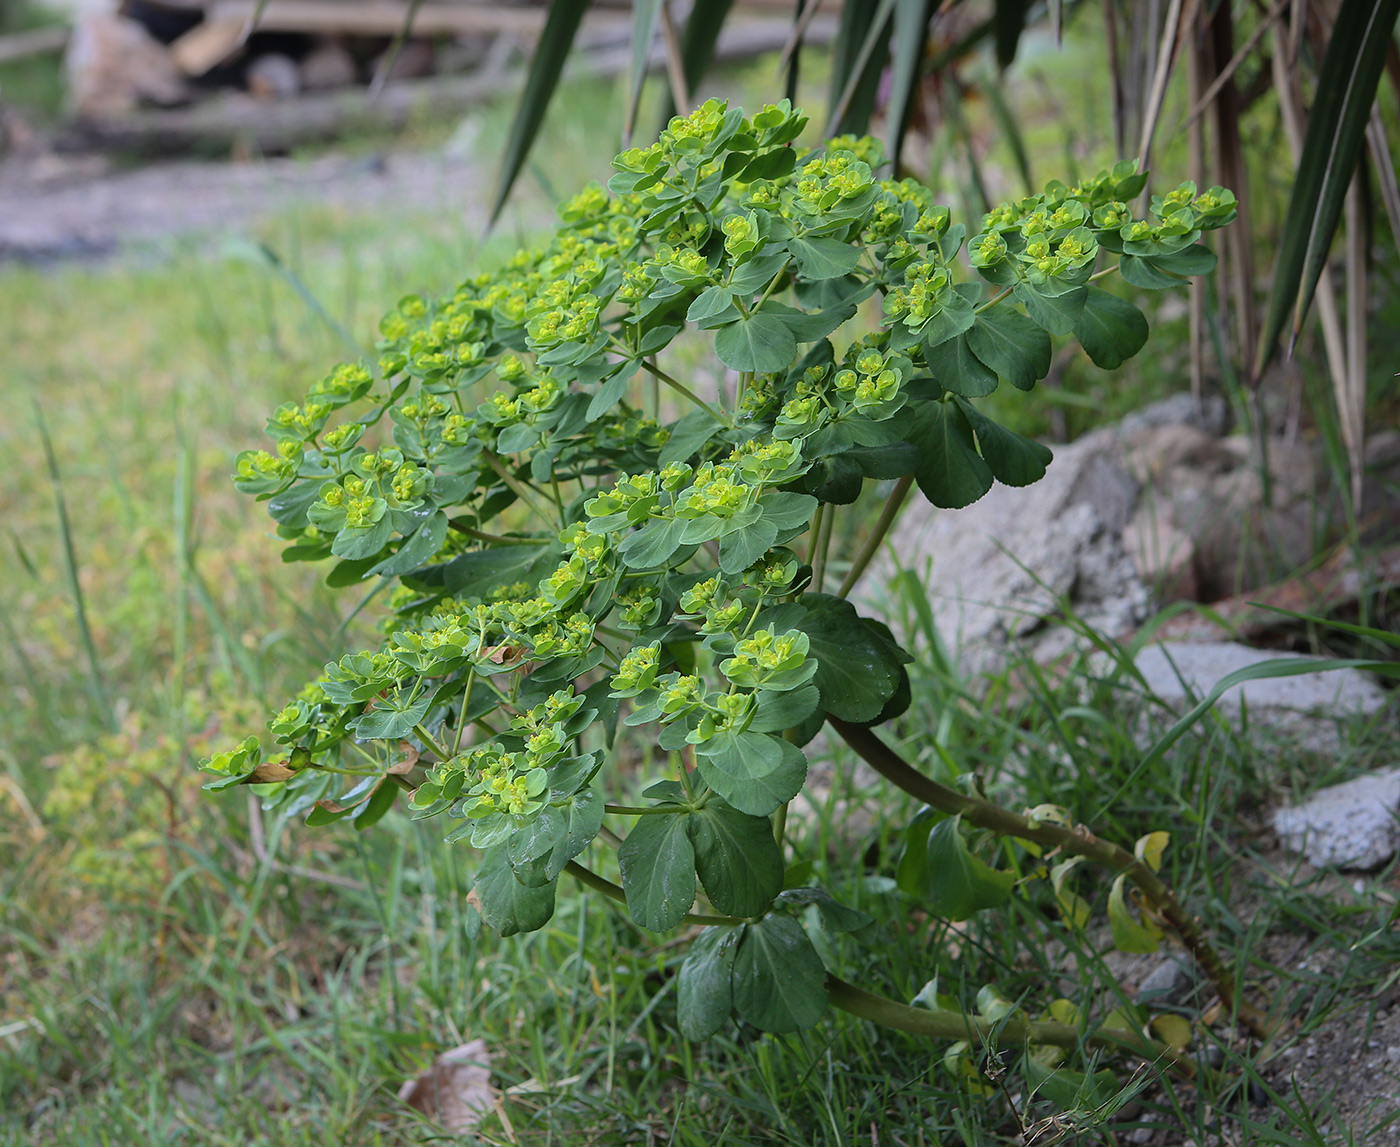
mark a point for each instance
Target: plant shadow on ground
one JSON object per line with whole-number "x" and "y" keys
{"x": 165, "y": 979}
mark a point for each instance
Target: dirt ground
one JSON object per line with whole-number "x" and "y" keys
{"x": 57, "y": 207}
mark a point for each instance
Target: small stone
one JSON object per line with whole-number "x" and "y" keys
{"x": 1167, "y": 983}
{"x": 1351, "y": 825}
{"x": 1393, "y": 1054}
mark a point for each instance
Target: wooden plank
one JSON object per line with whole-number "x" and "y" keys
{"x": 386, "y": 17}
{"x": 206, "y": 45}
{"x": 38, "y": 42}
{"x": 276, "y": 125}
{"x": 379, "y": 17}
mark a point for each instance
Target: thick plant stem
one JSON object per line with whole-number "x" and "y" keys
{"x": 1013, "y": 1030}
{"x": 877, "y": 535}
{"x": 1078, "y": 841}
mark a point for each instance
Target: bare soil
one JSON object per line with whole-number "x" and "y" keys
{"x": 56, "y": 207}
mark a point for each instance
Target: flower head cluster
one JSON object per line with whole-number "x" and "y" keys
{"x": 499, "y": 465}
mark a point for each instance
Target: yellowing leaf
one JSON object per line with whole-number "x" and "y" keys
{"x": 992, "y": 1004}
{"x": 956, "y": 1060}
{"x": 1049, "y": 814}
{"x": 1175, "y": 1031}
{"x": 1150, "y": 848}
{"x": 1073, "y": 906}
{"x": 1128, "y": 934}
{"x": 1064, "y": 1011}
{"x": 1119, "y": 1020}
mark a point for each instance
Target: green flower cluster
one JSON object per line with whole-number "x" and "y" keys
{"x": 567, "y": 559}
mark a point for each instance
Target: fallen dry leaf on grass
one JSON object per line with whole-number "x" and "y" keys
{"x": 456, "y": 1090}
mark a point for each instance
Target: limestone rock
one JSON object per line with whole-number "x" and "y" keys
{"x": 1351, "y": 825}
{"x": 1000, "y": 566}
{"x": 1181, "y": 673}
{"x": 1170, "y": 983}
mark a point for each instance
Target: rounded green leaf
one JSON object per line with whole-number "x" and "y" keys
{"x": 704, "y": 992}
{"x": 761, "y": 343}
{"x": 779, "y": 982}
{"x": 1111, "y": 330}
{"x": 658, "y": 871}
{"x": 737, "y": 859}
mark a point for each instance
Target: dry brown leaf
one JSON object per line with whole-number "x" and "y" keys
{"x": 408, "y": 757}
{"x": 270, "y": 771}
{"x": 455, "y": 1092}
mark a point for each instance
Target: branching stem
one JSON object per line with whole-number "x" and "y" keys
{"x": 516, "y": 486}
{"x": 427, "y": 739}
{"x": 494, "y": 539}
{"x": 993, "y": 301}
{"x": 1078, "y": 841}
{"x": 1013, "y": 1030}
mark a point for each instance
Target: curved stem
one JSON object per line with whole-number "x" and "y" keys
{"x": 821, "y": 543}
{"x": 958, "y": 1026}
{"x": 1078, "y": 841}
{"x": 613, "y": 892}
{"x": 877, "y": 535}
{"x": 993, "y": 301}
{"x": 427, "y": 739}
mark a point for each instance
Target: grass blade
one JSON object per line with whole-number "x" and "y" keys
{"x": 644, "y": 14}
{"x": 1351, "y": 400}
{"x": 675, "y": 62}
{"x": 70, "y": 570}
{"x": 1010, "y": 131}
{"x": 1385, "y": 171}
{"x": 555, "y": 42}
{"x": 791, "y": 57}
{"x": 1161, "y": 76}
{"x": 855, "y": 71}
{"x": 911, "y": 19}
{"x": 391, "y": 57}
{"x": 1346, "y": 89}
{"x": 1384, "y": 636}
{"x": 1256, "y": 672}
{"x": 1010, "y": 19}
{"x": 701, "y": 34}
{"x": 263, "y": 255}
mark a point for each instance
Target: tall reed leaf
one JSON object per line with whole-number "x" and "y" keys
{"x": 1346, "y": 89}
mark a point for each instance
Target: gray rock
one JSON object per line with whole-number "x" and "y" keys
{"x": 1155, "y": 507}
{"x": 1168, "y": 983}
{"x": 1000, "y": 566}
{"x": 1351, "y": 825}
{"x": 1305, "y": 707}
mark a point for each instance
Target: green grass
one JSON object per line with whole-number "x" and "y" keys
{"x": 162, "y": 984}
